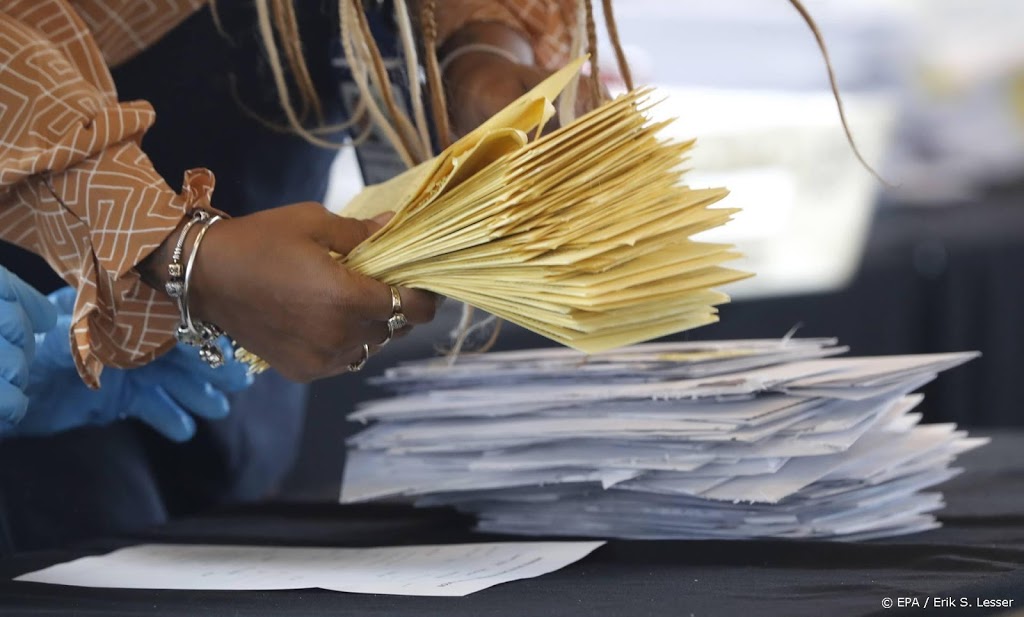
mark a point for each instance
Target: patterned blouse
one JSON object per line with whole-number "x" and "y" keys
{"x": 76, "y": 186}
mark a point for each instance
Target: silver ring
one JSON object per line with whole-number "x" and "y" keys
{"x": 398, "y": 320}
{"x": 355, "y": 367}
{"x": 387, "y": 339}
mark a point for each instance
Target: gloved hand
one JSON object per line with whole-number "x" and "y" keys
{"x": 164, "y": 394}
{"x": 23, "y": 312}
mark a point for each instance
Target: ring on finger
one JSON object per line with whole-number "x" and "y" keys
{"x": 398, "y": 320}
{"x": 391, "y": 333}
{"x": 357, "y": 366}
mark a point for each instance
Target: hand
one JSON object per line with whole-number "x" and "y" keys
{"x": 269, "y": 281}
{"x": 23, "y": 313}
{"x": 163, "y": 394}
{"x": 481, "y": 84}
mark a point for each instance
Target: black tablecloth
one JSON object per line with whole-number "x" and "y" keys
{"x": 979, "y": 553}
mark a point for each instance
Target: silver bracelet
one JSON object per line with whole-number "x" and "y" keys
{"x": 470, "y": 48}
{"x": 192, "y": 332}
{"x": 176, "y": 270}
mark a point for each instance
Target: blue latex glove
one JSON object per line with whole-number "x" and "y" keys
{"x": 163, "y": 394}
{"x": 23, "y": 313}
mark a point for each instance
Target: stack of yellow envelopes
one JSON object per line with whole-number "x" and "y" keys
{"x": 581, "y": 235}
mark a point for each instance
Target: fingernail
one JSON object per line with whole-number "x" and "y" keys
{"x": 219, "y": 402}
{"x": 383, "y": 218}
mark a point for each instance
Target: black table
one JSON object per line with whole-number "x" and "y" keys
{"x": 978, "y": 554}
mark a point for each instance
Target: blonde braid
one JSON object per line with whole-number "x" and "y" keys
{"x": 613, "y": 35}
{"x": 595, "y": 71}
{"x": 567, "y": 101}
{"x": 404, "y": 127}
{"x": 438, "y": 103}
{"x": 287, "y": 28}
{"x": 359, "y": 74}
{"x": 280, "y": 82}
{"x": 412, "y": 69}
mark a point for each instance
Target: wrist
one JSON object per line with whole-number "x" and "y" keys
{"x": 205, "y": 274}
{"x": 153, "y": 269}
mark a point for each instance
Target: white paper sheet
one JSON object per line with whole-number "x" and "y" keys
{"x": 671, "y": 440}
{"x": 438, "y": 570}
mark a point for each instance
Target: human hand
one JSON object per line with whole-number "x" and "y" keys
{"x": 163, "y": 394}
{"x": 481, "y": 84}
{"x": 23, "y": 313}
{"x": 268, "y": 280}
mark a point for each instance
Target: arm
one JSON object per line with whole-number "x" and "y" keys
{"x": 544, "y": 26}
{"x": 495, "y": 51}
{"x": 76, "y": 188}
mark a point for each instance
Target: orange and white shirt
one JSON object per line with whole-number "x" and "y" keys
{"x": 76, "y": 186}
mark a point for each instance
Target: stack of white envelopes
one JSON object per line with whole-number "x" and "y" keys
{"x": 737, "y": 439}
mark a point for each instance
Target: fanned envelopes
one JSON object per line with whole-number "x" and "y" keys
{"x": 581, "y": 235}
{"x": 735, "y": 439}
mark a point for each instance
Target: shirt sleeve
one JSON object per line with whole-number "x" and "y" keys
{"x": 76, "y": 188}
{"x": 548, "y": 24}
{"x": 124, "y": 28}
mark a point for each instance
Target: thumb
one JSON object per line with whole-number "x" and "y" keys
{"x": 342, "y": 235}
{"x": 383, "y": 218}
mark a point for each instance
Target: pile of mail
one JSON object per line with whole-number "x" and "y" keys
{"x": 737, "y": 439}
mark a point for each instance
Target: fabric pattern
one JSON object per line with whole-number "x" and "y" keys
{"x": 76, "y": 188}
{"x": 75, "y": 185}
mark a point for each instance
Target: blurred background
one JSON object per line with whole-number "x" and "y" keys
{"x": 934, "y": 92}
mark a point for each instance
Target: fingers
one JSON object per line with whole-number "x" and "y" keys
{"x": 355, "y": 356}
{"x": 233, "y": 376}
{"x": 314, "y": 313}
{"x": 373, "y": 300}
{"x": 42, "y": 315}
{"x": 155, "y": 407}
{"x": 54, "y": 352}
{"x": 14, "y": 365}
{"x": 383, "y": 218}
{"x": 341, "y": 234}
{"x": 13, "y": 403}
{"x": 194, "y": 395}
{"x": 375, "y": 334}
{"x": 16, "y": 326}
{"x": 64, "y": 299}
{"x": 418, "y": 306}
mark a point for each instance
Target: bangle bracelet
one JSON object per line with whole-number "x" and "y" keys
{"x": 470, "y": 48}
{"x": 175, "y": 271}
{"x": 199, "y": 334}
{"x": 188, "y": 269}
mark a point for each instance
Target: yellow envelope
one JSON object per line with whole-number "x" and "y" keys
{"x": 527, "y": 113}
